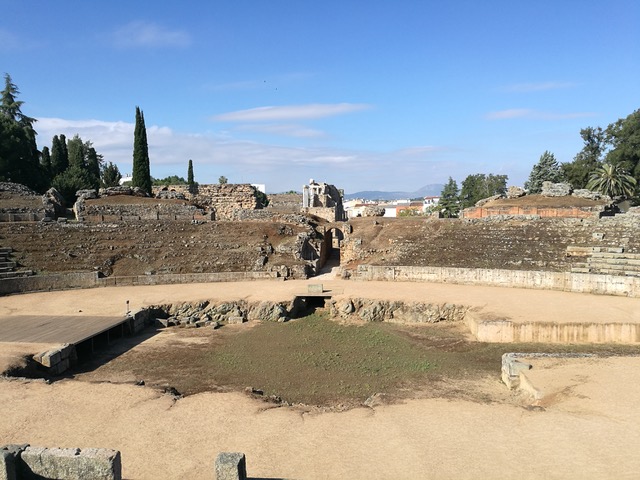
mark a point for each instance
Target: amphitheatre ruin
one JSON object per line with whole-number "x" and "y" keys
{"x": 163, "y": 330}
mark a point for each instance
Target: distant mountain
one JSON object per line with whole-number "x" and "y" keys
{"x": 426, "y": 191}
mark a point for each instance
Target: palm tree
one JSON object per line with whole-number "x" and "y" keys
{"x": 612, "y": 180}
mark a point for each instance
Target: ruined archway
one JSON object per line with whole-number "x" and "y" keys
{"x": 333, "y": 236}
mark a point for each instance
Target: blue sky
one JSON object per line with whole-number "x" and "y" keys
{"x": 378, "y": 95}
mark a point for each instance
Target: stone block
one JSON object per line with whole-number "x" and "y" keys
{"x": 231, "y": 466}
{"x": 234, "y": 320}
{"x": 315, "y": 288}
{"x": 70, "y": 463}
{"x": 7, "y": 466}
{"x": 51, "y": 358}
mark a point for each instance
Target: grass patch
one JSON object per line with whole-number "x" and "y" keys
{"x": 314, "y": 360}
{"x": 317, "y": 361}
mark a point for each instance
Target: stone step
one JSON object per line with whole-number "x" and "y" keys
{"x": 624, "y": 273}
{"x": 580, "y": 270}
{"x": 602, "y": 266}
{"x": 6, "y": 269}
{"x": 18, "y": 274}
{"x": 6, "y": 250}
{"x": 613, "y": 261}
{"x": 612, "y": 267}
{"x": 630, "y": 256}
{"x": 8, "y": 264}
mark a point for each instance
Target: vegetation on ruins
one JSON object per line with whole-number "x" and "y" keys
{"x": 478, "y": 186}
{"x": 141, "y": 176}
{"x": 449, "y": 203}
{"x": 546, "y": 170}
{"x": 222, "y": 180}
{"x": 587, "y": 160}
{"x": 612, "y": 180}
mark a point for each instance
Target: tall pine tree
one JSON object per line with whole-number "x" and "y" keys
{"x": 141, "y": 171}
{"x": 19, "y": 156}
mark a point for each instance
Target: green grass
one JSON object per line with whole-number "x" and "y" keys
{"x": 317, "y": 361}
{"x": 314, "y": 360}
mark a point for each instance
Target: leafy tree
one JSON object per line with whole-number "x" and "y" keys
{"x": 141, "y": 169}
{"x": 612, "y": 180}
{"x": 624, "y": 139}
{"x": 170, "y": 180}
{"x": 546, "y": 170}
{"x": 449, "y": 203}
{"x": 70, "y": 181}
{"x": 111, "y": 175}
{"x": 190, "y": 174}
{"x": 479, "y": 186}
{"x": 19, "y": 156}
{"x": 262, "y": 199}
{"x": 76, "y": 150}
{"x": 222, "y": 180}
{"x": 588, "y": 159}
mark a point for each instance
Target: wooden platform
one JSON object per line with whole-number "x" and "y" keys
{"x": 55, "y": 329}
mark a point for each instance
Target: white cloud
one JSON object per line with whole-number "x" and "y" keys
{"x": 530, "y": 114}
{"x": 538, "y": 87}
{"x": 286, "y": 130}
{"x": 281, "y": 168}
{"x": 145, "y": 34}
{"x": 290, "y": 112}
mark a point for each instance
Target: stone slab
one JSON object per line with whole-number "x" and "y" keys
{"x": 70, "y": 463}
{"x": 231, "y": 466}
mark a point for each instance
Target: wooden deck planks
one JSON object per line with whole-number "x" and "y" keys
{"x": 54, "y": 329}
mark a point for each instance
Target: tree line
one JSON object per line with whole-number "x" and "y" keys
{"x": 608, "y": 163}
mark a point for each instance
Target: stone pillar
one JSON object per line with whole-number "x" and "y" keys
{"x": 231, "y": 466}
{"x": 305, "y": 196}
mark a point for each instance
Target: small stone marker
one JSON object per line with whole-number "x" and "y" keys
{"x": 315, "y": 288}
{"x": 231, "y": 466}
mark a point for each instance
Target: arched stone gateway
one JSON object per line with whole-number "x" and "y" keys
{"x": 333, "y": 236}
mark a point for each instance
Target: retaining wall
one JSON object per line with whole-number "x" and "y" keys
{"x": 506, "y": 331}
{"x": 65, "y": 281}
{"x": 566, "y": 281}
{"x": 554, "y": 212}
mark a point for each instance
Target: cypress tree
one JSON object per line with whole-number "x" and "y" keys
{"x": 65, "y": 152}
{"x": 190, "y": 174}
{"x": 45, "y": 161}
{"x": 141, "y": 171}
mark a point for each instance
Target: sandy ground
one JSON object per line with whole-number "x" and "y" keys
{"x": 588, "y": 426}
{"x": 590, "y": 431}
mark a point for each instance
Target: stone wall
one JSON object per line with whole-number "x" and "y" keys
{"x": 65, "y": 281}
{"x": 565, "y": 281}
{"x": 542, "y": 212}
{"x": 160, "y": 210}
{"x": 223, "y": 199}
{"x": 487, "y": 243}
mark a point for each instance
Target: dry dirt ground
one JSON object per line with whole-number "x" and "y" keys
{"x": 586, "y": 426}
